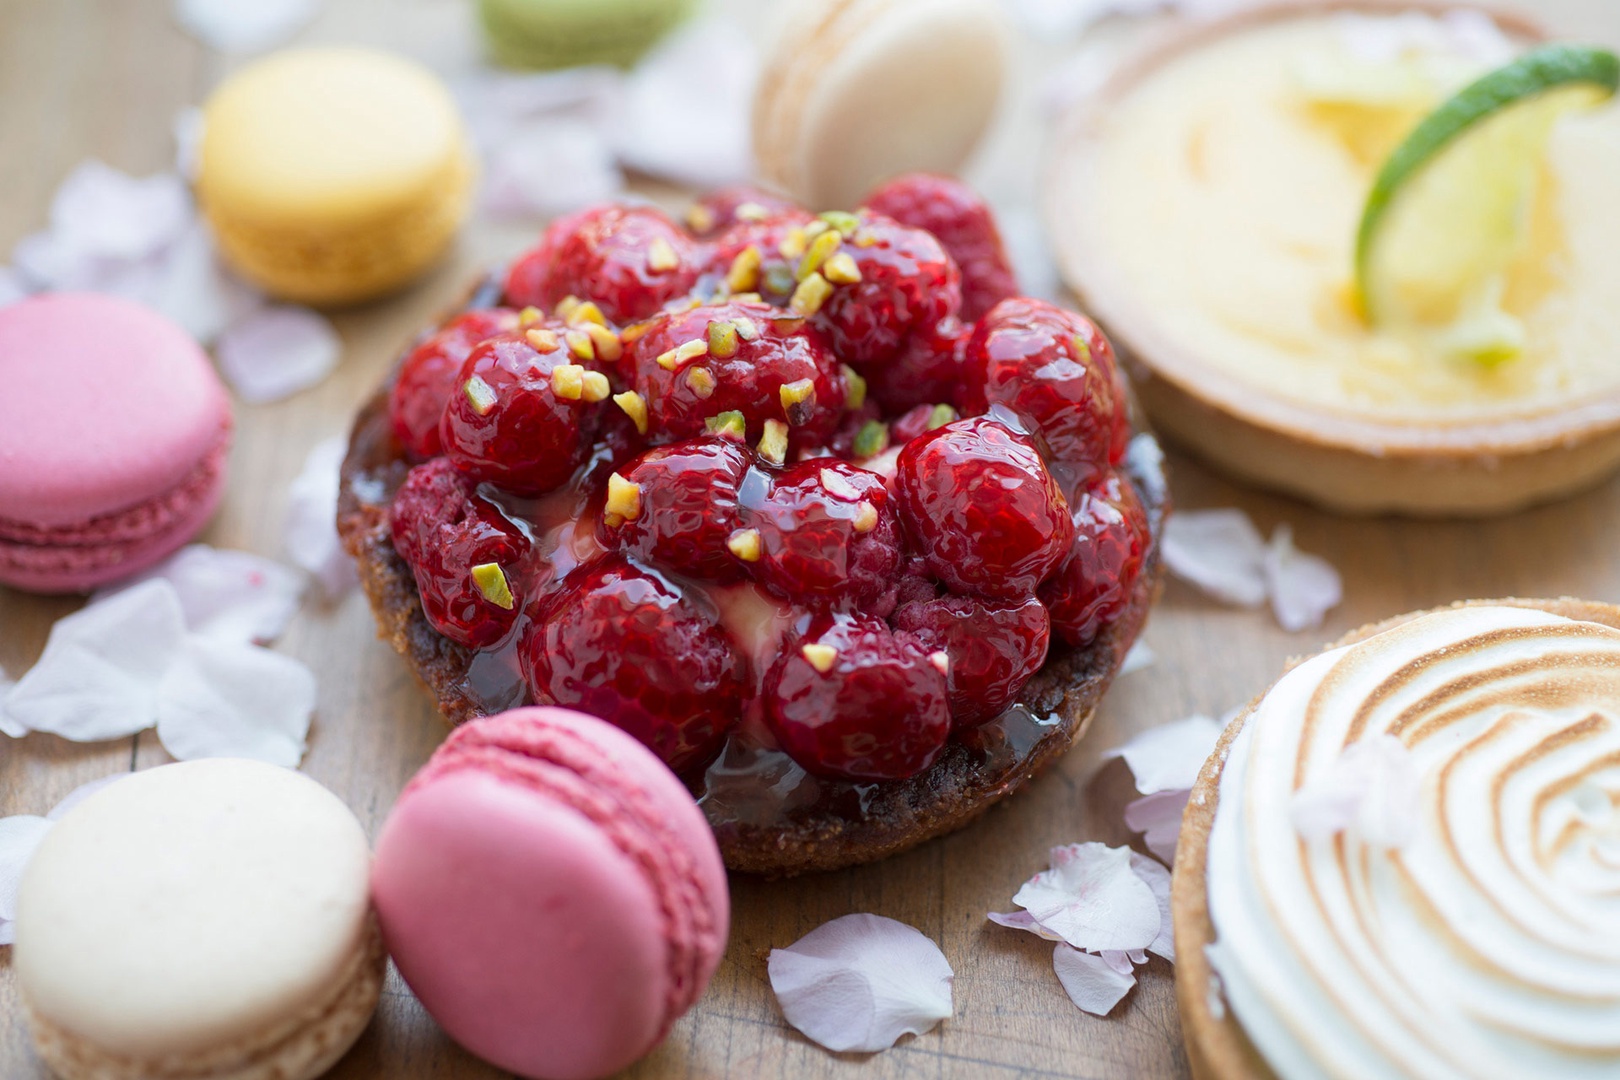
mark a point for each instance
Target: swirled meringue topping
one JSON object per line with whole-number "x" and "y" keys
{"x": 1487, "y": 944}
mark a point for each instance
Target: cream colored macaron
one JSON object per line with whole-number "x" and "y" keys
{"x": 858, "y": 91}
{"x": 206, "y": 919}
{"x": 333, "y": 175}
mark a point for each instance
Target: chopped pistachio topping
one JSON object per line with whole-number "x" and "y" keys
{"x": 580, "y": 344}
{"x": 608, "y": 346}
{"x": 635, "y": 407}
{"x": 680, "y": 354}
{"x": 1082, "y": 351}
{"x": 841, "y": 269}
{"x": 744, "y": 543}
{"x": 596, "y": 386}
{"x": 568, "y": 381}
{"x": 746, "y": 297}
{"x": 491, "y": 581}
{"x": 750, "y": 211}
{"x": 865, "y": 239}
{"x": 798, "y": 397}
{"x": 793, "y": 244}
{"x": 722, "y": 339}
{"x": 480, "y": 395}
{"x": 623, "y": 498}
{"x": 871, "y": 440}
{"x": 787, "y": 324}
{"x": 530, "y": 315}
{"x": 940, "y": 415}
{"x": 731, "y": 424}
{"x": 634, "y": 332}
{"x": 542, "y": 339}
{"x": 866, "y": 517}
{"x": 566, "y": 307}
{"x": 842, "y": 220}
{"x": 774, "y": 443}
{"x": 699, "y": 218}
{"x": 747, "y": 328}
{"x": 574, "y": 311}
{"x": 856, "y": 396}
{"x": 840, "y": 485}
{"x": 821, "y": 657}
{"x": 815, "y": 229}
{"x": 820, "y": 248}
{"x": 744, "y": 272}
{"x": 701, "y": 381}
{"x": 810, "y": 295}
{"x": 941, "y": 661}
{"x": 778, "y": 278}
{"x": 660, "y": 256}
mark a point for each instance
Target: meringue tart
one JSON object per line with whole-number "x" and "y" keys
{"x": 1204, "y": 206}
{"x": 1461, "y": 920}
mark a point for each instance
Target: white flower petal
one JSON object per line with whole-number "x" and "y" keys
{"x": 81, "y": 793}
{"x": 233, "y": 595}
{"x": 1090, "y": 981}
{"x": 549, "y": 166}
{"x": 192, "y": 287}
{"x": 1141, "y": 655}
{"x": 1371, "y": 790}
{"x": 187, "y": 127}
{"x": 99, "y": 675}
{"x": 1168, "y": 757}
{"x": 278, "y": 351}
{"x": 1092, "y": 899}
{"x": 860, "y": 982}
{"x": 223, "y": 699}
{"x": 1157, "y": 879}
{"x": 47, "y": 261}
{"x": 8, "y": 726}
{"x": 1158, "y": 818}
{"x": 1303, "y": 587}
{"x": 13, "y": 287}
{"x": 1021, "y": 920}
{"x": 101, "y": 211}
{"x": 310, "y": 533}
{"x": 1120, "y": 960}
{"x": 243, "y": 26}
{"x": 1220, "y": 551}
{"x": 19, "y": 836}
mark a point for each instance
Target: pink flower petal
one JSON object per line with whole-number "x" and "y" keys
{"x": 1303, "y": 587}
{"x": 243, "y": 26}
{"x": 860, "y": 982}
{"x": 278, "y": 351}
{"x": 310, "y": 533}
{"x": 192, "y": 287}
{"x": 1021, "y": 920}
{"x": 549, "y": 166}
{"x": 1220, "y": 551}
{"x": 225, "y": 699}
{"x": 1372, "y": 789}
{"x": 1092, "y": 899}
{"x": 100, "y": 211}
{"x": 1157, "y": 879}
{"x": 1158, "y": 818}
{"x": 232, "y": 595}
{"x": 1090, "y": 981}
{"x": 99, "y": 675}
{"x": 1168, "y": 757}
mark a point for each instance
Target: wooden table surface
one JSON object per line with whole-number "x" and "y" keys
{"x": 104, "y": 78}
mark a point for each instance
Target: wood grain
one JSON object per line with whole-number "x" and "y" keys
{"x": 104, "y": 78}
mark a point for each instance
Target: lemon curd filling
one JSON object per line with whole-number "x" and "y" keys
{"x": 1234, "y": 179}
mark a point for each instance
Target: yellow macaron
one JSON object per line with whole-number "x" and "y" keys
{"x": 333, "y": 175}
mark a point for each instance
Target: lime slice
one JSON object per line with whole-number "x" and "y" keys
{"x": 1446, "y": 213}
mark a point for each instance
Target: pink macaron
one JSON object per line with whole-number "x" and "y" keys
{"x": 551, "y": 893}
{"x": 114, "y": 432}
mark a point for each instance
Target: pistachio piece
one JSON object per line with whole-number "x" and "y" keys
{"x": 941, "y": 661}
{"x": 568, "y": 381}
{"x": 798, "y": 400}
{"x": 529, "y": 316}
{"x": 821, "y": 657}
{"x": 856, "y": 397}
{"x": 596, "y": 386}
{"x": 866, "y": 517}
{"x": 580, "y": 344}
{"x": 940, "y": 415}
{"x": 731, "y": 424}
{"x": 750, "y": 211}
{"x": 661, "y": 257}
{"x": 810, "y": 295}
{"x": 623, "y": 500}
{"x": 701, "y": 381}
{"x": 871, "y": 440}
{"x": 841, "y": 269}
{"x": 744, "y": 272}
{"x": 818, "y": 252}
{"x": 491, "y": 581}
{"x": 635, "y": 407}
{"x": 608, "y": 346}
{"x": 480, "y": 395}
{"x": 774, "y": 443}
{"x": 672, "y": 359}
{"x": 744, "y": 543}
{"x": 722, "y": 339}
{"x": 542, "y": 339}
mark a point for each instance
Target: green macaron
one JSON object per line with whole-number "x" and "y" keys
{"x": 568, "y": 33}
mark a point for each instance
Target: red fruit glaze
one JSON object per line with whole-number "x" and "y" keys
{"x": 688, "y": 508}
{"x": 907, "y": 283}
{"x": 1092, "y": 587}
{"x": 980, "y": 507}
{"x": 960, "y": 221}
{"x": 829, "y": 536}
{"x": 1024, "y": 355}
{"x": 609, "y": 254}
{"x": 427, "y": 378}
{"x": 443, "y": 529}
{"x": 785, "y": 350}
{"x": 994, "y": 648}
{"x": 716, "y": 212}
{"x": 774, "y": 278}
{"x": 526, "y": 439}
{"x": 926, "y": 371}
{"x": 879, "y": 711}
{"x": 628, "y": 645}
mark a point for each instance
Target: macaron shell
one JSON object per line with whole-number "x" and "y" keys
{"x": 530, "y": 938}
{"x": 104, "y": 406}
{"x": 569, "y": 33}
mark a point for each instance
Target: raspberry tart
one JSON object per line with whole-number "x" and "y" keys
{"x": 814, "y": 506}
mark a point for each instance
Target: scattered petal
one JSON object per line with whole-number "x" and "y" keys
{"x": 1371, "y": 789}
{"x": 243, "y": 26}
{"x": 1091, "y": 982}
{"x": 187, "y": 127}
{"x": 1220, "y": 551}
{"x": 1168, "y": 757}
{"x": 860, "y": 982}
{"x": 12, "y": 286}
{"x": 231, "y": 595}
{"x": 225, "y": 699}
{"x": 1158, "y": 880}
{"x": 278, "y": 351}
{"x": 1158, "y": 818}
{"x": 1092, "y": 899}
{"x": 103, "y": 212}
{"x": 1303, "y": 587}
{"x": 549, "y": 166}
{"x": 311, "y": 530}
{"x": 1021, "y": 920}
{"x": 1141, "y": 655}
{"x": 8, "y": 726}
{"x": 19, "y": 836}
{"x": 99, "y": 675}
{"x": 192, "y": 287}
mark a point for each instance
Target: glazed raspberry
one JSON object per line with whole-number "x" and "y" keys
{"x": 762, "y": 256}
{"x": 692, "y": 366}
{"x": 427, "y": 378}
{"x": 980, "y": 507}
{"x": 466, "y": 556}
{"x": 963, "y": 224}
{"x": 1057, "y": 372}
{"x": 907, "y": 282}
{"x": 828, "y": 535}
{"x": 507, "y": 423}
{"x": 628, "y": 645}
{"x": 630, "y": 260}
{"x": 850, "y": 698}
{"x": 918, "y": 421}
{"x": 719, "y": 210}
{"x": 686, "y": 511}
{"x": 926, "y": 370}
{"x": 1092, "y": 588}
{"x": 994, "y": 648}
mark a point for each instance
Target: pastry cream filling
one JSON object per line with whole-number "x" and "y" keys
{"x": 1488, "y": 946}
{"x": 1233, "y": 180}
